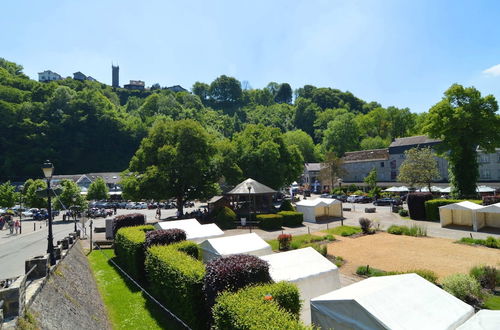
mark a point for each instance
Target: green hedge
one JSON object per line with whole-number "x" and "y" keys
{"x": 271, "y": 306}
{"x": 129, "y": 249}
{"x": 286, "y": 205}
{"x": 225, "y": 218}
{"x": 292, "y": 218}
{"x": 432, "y": 206}
{"x": 176, "y": 279}
{"x": 270, "y": 221}
{"x": 190, "y": 248}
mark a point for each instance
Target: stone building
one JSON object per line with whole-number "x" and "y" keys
{"x": 48, "y": 75}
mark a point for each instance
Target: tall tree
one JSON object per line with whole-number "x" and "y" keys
{"x": 341, "y": 135}
{"x": 371, "y": 181}
{"x": 202, "y": 90}
{"x": 264, "y": 156}
{"x": 225, "y": 93}
{"x": 419, "y": 167}
{"x": 304, "y": 142}
{"x": 8, "y": 195}
{"x": 305, "y": 115}
{"x": 30, "y": 196}
{"x": 284, "y": 94}
{"x": 70, "y": 196}
{"x": 176, "y": 160}
{"x": 331, "y": 169}
{"x": 98, "y": 190}
{"x": 464, "y": 121}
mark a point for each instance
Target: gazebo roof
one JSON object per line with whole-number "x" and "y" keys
{"x": 256, "y": 188}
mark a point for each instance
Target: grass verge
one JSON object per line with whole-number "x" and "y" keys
{"x": 492, "y": 302}
{"x": 368, "y": 271}
{"x": 127, "y": 306}
{"x": 343, "y": 230}
{"x": 302, "y": 241}
{"x": 490, "y": 242}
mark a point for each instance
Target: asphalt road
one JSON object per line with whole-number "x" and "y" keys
{"x": 15, "y": 249}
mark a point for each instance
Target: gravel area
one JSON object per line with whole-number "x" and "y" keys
{"x": 400, "y": 253}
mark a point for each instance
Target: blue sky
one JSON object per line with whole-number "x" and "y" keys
{"x": 402, "y": 53}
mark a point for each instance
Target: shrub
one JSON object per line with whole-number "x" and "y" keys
{"x": 369, "y": 271}
{"x": 488, "y": 200}
{"x": 128, "y": 220}
{"x": 417, "y": 231}
{"x": 490, "y": 242}
{"x": 286, "y": 205}
{"x": 225, "y": 218}
{"x": 176, "y": 279}
{"x": 429, "y": 275}
{"x": 321, "y": 248}
{"x": 416, "y": 205}
{"x": 464, "y": 287}
{"x": 190, "y": 248}
{"x": 164, "y": 237}
{"x": 129, "y": 249}
{"x": 397, "y": 230}
{"x": 270, "y": 221}
{"x": 487, "y": 276}
{"x": 284, "y": 241}
{"x": 366, "y": 225}
{"x": 403, "y": 213}
{"x": 232, "y": 273}
{"x": 432, "y": 207}
{"x": 272, "y": 306}
{"x": 292, "y": 218}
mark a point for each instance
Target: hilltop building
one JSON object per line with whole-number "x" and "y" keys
{"x": 48, "y": 75}
{"x": 135, "y": 84}
{"x": 115, "y": 73}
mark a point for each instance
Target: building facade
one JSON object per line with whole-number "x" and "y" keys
{"x": 48, "y": 75}
{"x": 135, "y": 84}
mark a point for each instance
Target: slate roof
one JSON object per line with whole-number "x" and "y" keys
{"x": 412, "y": 140}
{"x": 313, "y": 167}
{"x": 366, "y": 155}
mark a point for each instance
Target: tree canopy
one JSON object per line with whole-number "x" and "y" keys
{"x": 98, "y": 190}
{"x": 419, "y": 167}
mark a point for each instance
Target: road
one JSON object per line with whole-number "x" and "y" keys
{"x": 15, "y": 249}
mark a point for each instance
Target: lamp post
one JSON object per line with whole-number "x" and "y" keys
{"x": 74, "y": 210}
{"x": 249, "y": 187}
{"x": 48, "y": 170}
{"x": 339, "y": 180}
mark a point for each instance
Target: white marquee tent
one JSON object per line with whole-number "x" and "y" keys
{"x": 390, "y": 302}
{"x": 195, "y": 231}
{"x": 397, "y": 189}
{"x": 462, "y": 213}
{"x": 313, "y": 274}
{"x": 239, "y": 244}
{"x": 483, "y": 320}
{"x": 488, "y": 216}
{"x": 319, "y": 207}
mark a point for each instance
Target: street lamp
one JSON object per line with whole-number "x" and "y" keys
{"x": 339, "y": 180}
{"x": 74, "y": 210}
{"x": 249, "y": 187}
{"x": 48, "y": 169}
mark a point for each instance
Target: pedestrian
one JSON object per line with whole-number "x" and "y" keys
{"x": 11, "y": 224}
{"x": 17, "y": 226}
{"x": 158, "y": 213}
{"x": 114, "y": 209}
{"x": 2, "y": 222}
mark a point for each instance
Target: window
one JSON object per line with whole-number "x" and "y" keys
{"x": 484, "y": 158}
{"x": 498, "y": 157}
{"x": 382, "y": 164}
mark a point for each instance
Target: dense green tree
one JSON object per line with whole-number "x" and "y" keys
{"x": 323, "y": 118}
{"x": 305, "y": 115}
{"x": 402, "y": 122}
{"x": 176, "y": 160}
{"x": 225, "y": 93}
{"x": 273, "y": 88}
{"x": 304, "y": 142}
{"x": 254, "y": 97}
{"x": 8, "y": 195}
{"x": 30, "y": 196}
{"x": 276, "y": 115}
{"x": 341, "y": 135}
{"x": 464, "y": 121}
{"x": 305, "y": 92}
{"x": 227, "y": 160}
{"x": 202, "y": 90}
{"x": 376, "y": 142}
{"x": 284, "y": 94}
{"x": 264, "y": 156}
{"x": 371, "y": 179}
{"x": 98, "y": 190}
{"x": 70, "y": 196}
{"x": 419, "y": 167}
{"x": 327, "y": 98}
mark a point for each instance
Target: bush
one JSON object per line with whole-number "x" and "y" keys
{"x": 190, "y": 248}
{"x": 403, "y": 213}
{"x": 464, "y": 287}
{"x": 225, "y": 218}
{"x": 416, "y": 205}
{"x": 270, "y": 221}
{"x": 488, "y": 200}
{"x": 358, "y": 192}
{"x": 128, "y": 220}
{"x": 284, "y": 241}
{"x": 366, "y": 225}
{"x": 432, "y": 207}
{"x": 369, "y": 271}
{"x": 413, "y": 230}
{"x": 397, "y": 230}
{"x": 129, "y": 249}
{"x": 490, "y": 242}
{"x": 164, "y": 237}
{"x": 272, "y": 306}
{"x": 232, "y": 273}
{"x": 487, "y": 276}
{"x": 286, "y": 205}
{"x": 292, "y": 218}
{"x": 176, "y": 279}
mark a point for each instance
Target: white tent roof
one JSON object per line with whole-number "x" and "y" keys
{"x": 466, "y": 205}
{"x": 238, "y": 244}
{"x": 483, "y": 320}
{"x": 493, "y": 208}
{"x": 485, "y": 189}
{"x": 433, "y": 188}
{"x": 194, "y": 230}
{"x": 397, "y": 189}
{"x": 318, "y": 202}
{"x": 446, "y": 190}
{"x": 319, "y": 277}
{"x": 390, "y": 302}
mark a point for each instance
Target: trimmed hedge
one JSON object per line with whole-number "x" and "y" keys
{"x": 416, "y": 205}
{"x": 176, "y": 279}
{"x": 292, "y": 218}
{"x": 232, "y": 273}
{"x": 272, "y": 306}
{"x": 432, "y": 206}
{"x": 128, "y": 220}
{"x": 164, "y": 237}
{"x": 129, "y": 249}
{"x": 270, "y": 221}
{"x": 286, "y": 205}
{"x": 190, "y": 248}
{"x": 225, "y": 218}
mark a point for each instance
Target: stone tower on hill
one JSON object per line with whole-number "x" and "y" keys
{"x": 115, "y": 76}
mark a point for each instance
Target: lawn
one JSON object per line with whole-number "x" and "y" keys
{"x": 301, "y": 241}
{"x": 493, "y": 302}
{"x": 343, "y": 230}
{"x": 127, "y": 306}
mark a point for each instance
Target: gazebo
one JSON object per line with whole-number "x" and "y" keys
{"x": 253, "y": 194}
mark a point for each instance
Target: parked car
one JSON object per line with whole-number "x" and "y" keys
{"x": 342, "y": 198}
{"x": 29, "y": 213}
{"x": 130, "y": 205}
{"x": 141, "y": 205}
{"x": 387, "y": 201}
{"x": 326, "y": 196}
{"x": 363, "y": 199}
{"x": 352, "y": 198}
